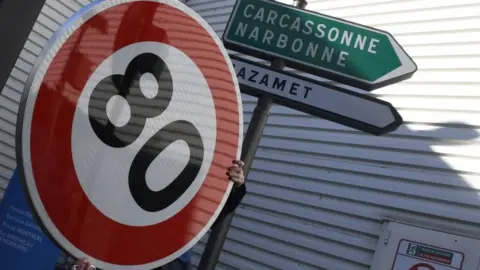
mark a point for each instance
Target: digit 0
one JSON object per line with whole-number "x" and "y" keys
{"x": 142, "y": 108}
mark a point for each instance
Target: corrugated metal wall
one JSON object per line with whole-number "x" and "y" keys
{"x": 318, "y": 190}
{"x": 53, "y": 14}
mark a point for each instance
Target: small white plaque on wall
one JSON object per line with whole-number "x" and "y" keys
{"x": 409, "y": 247}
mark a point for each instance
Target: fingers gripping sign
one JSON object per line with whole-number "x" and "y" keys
{"x": 235, "y": 173}
{"x": 82, "y": 264}
{"x": 126, "y": 166}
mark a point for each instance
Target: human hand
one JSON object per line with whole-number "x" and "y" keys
{"x": 82, "y": 264}
{"x": 235, "y": 173}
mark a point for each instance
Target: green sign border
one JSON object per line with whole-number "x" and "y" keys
{"x": 305, "y": 67}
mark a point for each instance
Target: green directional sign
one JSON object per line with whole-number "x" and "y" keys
{"x": 339, "y": 50}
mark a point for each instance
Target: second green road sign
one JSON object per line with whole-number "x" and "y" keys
{"x": 329, "y": 47}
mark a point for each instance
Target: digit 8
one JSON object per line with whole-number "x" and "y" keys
{"x": 128, "y": 87}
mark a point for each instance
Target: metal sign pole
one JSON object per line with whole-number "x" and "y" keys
{"x": 252, "y": 138}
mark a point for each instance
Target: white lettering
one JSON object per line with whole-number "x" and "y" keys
{"x": 281, "y": 20}
{"x": 328, "y": 54}
{"x": 241, "y": 29}
{"x": 272, "y": 15}
{"x": 259, "y": 15}
{"x": 312, "y": 49}
{"x": 335, "y": 35}
{"x": 341, "y": 58}
{"x": 245, "y": 14}
{"x": 320, "y": 28}
{"x": 282, "y": 41}
{"x": 254, "y": 34}
{"x": 299, "y": 45}
{"x": 267, "y": 37}
{"x": 296, "y": 25}
{"x": 360, "y": 42}
{"x": 373, "y": 44}
{"x": 346, "y": 38}
{"x": 308, "y": 26}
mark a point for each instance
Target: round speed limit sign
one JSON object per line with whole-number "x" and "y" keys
{"x": 129, "y": 122}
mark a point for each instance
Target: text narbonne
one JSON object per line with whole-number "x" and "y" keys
{"x": 305, "y": 37}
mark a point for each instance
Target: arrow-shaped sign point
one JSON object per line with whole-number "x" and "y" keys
{"x": 333, "y": 103}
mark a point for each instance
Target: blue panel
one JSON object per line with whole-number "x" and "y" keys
{"x": 23, "y": 245}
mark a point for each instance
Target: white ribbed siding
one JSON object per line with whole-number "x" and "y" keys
{"x": 318, "y": 190}
{"x": 53, "y": 14}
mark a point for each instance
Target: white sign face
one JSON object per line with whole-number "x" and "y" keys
{"x": 415, "y": 256}
{"x": 123, "y": 146}
{"x": 343, "y": 107}
{"x": 107, "y": 186}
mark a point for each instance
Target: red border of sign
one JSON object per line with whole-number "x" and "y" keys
{"x": 421, "y": 265}
{"x": 86, "y": 227}
{"x": 415, "y": 242}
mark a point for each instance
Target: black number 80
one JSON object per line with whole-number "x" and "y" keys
{"x": 142, "y": 107}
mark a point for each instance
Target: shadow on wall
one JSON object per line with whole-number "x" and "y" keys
{"x": 333, "y": 186}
